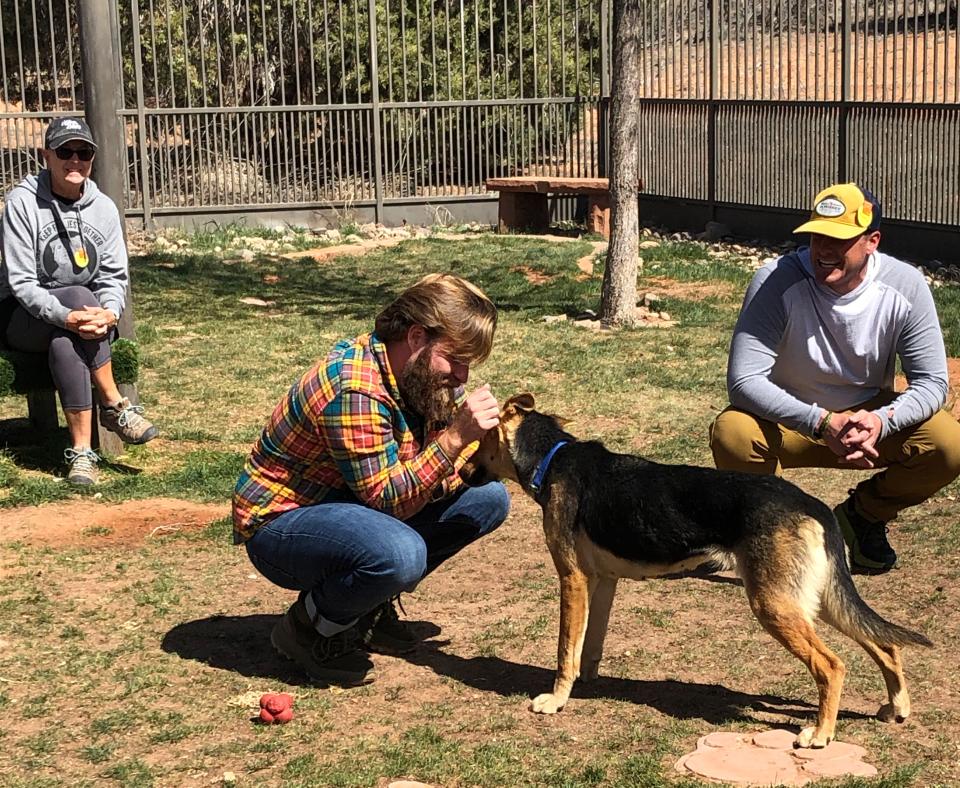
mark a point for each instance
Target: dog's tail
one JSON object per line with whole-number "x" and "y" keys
{"x": 844, "y": 608}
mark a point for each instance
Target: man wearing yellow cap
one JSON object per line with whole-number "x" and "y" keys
{"x": 811, "y": 368}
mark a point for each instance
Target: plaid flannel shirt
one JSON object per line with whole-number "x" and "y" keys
{"x": 344, "y": 424}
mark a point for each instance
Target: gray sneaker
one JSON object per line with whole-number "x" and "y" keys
{"x": 326, "y": 660}
{"x": 82, "y": 464}
{"x": 127, "y": 421}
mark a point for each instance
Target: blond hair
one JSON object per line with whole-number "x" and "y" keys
{"x": 449, "y": 308}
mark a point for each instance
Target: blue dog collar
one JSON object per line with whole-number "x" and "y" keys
{"x": 544, "y": 466}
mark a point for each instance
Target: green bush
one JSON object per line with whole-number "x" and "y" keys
{"x": 126, "y": 360}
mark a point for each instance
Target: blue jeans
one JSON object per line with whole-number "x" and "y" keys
{"x": 352, "y": 557}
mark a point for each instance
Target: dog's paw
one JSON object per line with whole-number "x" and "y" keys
{"x": 810, "y": 739}
{"x": 890, "y": 713}
{"x": 548, "y": 703}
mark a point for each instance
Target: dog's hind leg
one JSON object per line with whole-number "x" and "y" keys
{"x": 602, "y": 591}
{"x": 887, "y": 657}
{"x": 897, "y": 707}
{"x": 783, "y": 618}
{"x": 574, "y": 602}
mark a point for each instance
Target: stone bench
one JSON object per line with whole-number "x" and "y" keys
{"x": 28, "y": 374}
{"x": 523, "y": 201}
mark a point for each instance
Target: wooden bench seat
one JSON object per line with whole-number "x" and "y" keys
{"x": 523, "y": 201}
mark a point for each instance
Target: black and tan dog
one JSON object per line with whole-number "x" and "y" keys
{"x": 608, "y": 516}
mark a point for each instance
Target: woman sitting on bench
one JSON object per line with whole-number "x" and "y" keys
{"x": 63, "y": 287}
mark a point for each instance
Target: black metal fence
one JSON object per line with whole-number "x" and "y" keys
{"x": 760, "y": 104}
{"x": 248, "y": 105}
{"x": 277, "y": 105}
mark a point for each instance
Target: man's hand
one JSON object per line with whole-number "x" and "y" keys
{"x": 479, "y": 413}
{"x": 853, "y": 436}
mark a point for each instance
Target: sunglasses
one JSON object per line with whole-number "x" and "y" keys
{"x": 84, "y": 154}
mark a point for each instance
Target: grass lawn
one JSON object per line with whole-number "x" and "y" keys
{"x": 138, "y": 660}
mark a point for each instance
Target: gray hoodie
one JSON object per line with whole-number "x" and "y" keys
{"x": 50, "y": 243}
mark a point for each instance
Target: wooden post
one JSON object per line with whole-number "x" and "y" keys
{"x": 42, "y": 409}
{"x": 100, "y": 59}
{"x": 523, "y": 211}
{"x": 598, "y": 215}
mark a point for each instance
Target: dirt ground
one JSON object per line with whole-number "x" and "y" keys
{"x": 183, "y": 624}
{"x": 89, "y": 524}
{"x": 684, "y": 658}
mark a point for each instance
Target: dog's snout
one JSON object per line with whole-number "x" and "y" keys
{"x": 473, "y": 475}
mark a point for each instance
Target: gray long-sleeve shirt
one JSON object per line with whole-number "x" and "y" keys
{"x": 799, "y": 348}
{"x": 50, "y": 243}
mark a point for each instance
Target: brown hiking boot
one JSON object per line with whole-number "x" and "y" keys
{"x": 127, "y": 421}
{"x": 326, "y": 660}
{"x": 385, "y": 632}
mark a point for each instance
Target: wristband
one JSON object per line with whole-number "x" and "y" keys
{"x": 822, "y": 425}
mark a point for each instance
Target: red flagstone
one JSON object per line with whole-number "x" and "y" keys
{"x": 769, "y": 758}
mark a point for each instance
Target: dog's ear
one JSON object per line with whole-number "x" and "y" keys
{"x": 522, "y": 402}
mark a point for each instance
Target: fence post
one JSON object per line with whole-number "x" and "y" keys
{"x": 146, "y": 200}
{"x": 603, "y": 108}
{"x": 845, "y": 30}
{"x": 375, "y": 113}
{"x": 714, "y": 75}
{"x": 100, "y": 60}
{"x": 605, "y": 48}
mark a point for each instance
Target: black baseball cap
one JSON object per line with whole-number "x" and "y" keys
{"x": 63, "y": 130}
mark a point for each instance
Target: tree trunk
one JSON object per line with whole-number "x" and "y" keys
{"x": 618, "y": 298}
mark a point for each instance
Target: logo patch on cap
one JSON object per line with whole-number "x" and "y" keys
{"x": 830, "y": 207}
{"x": 70, "y": 123}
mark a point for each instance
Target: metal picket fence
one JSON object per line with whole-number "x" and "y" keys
{"x": 246, "y": 105}
{"x": 277, "y": 105}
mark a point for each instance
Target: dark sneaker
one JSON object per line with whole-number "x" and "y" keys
{"x": 870, "y": 552}
{"x": 385, "y": 632}
{"x": 127, "y": 421}
{"x": 327, "y": 660}
{"x": 82, "y": 466}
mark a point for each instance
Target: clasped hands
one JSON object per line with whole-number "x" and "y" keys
{"x": 853, "y": 435}
{"x": 91, "y": 322}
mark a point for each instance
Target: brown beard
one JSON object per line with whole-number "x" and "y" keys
{"x": 425, "y": 392}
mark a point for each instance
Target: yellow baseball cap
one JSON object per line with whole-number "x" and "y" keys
{"x": 843, "y": 211}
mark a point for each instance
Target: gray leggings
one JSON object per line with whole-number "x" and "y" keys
{"x": 70, "y": 357}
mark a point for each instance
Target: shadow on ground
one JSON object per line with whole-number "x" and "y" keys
{"x": 237, "y": 643}
{"x": 242, "y": 644}
{"x": 43, "y": 451}
{"x": 358, "y": 288}
{"x": 712, "y": 703}
{"x": 33, "y": 450}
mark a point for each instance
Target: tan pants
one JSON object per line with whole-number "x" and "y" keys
{"x": 916, "y": 461}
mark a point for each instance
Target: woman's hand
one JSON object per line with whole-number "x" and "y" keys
{"x": 91, "y": 322}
